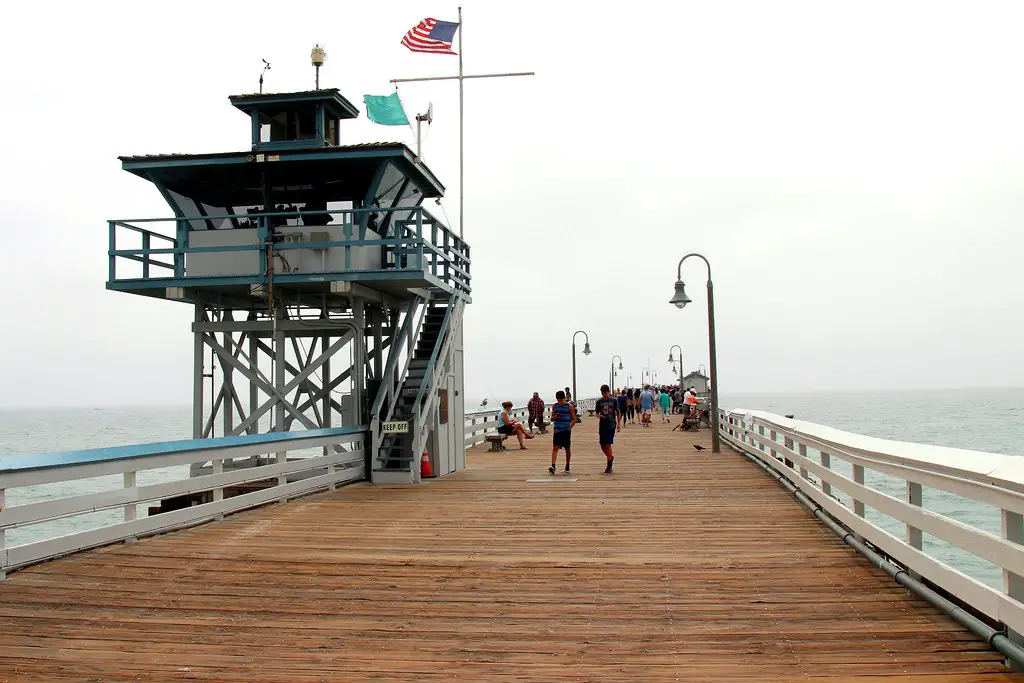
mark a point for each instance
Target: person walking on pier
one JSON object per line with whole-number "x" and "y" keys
{"x": 646, "y": 405}
{"x": 607, "y": 409}
{"x": 666, "y": 407}
{"x": 623, "y": 403}
{"x": 563, "y": 418}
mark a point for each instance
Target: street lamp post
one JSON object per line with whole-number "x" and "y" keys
{"x": 611, "y": 384}
{"x": 586, "y": 352}
{"x": 672, "y": 360}
{"x": 680, "y": 299}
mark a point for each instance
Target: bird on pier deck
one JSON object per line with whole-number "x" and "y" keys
{"x": 698, "y": 447}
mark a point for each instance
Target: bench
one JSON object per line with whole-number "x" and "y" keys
{"x": 496, "y": 441}
{"x": 691, "y": 423}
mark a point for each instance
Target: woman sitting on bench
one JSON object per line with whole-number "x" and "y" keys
{"x": 509, "y": 426}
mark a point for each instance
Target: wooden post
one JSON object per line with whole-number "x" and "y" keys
{"x": 1013, "y": 584}
{"x": 826, "y": 462}
{"x": 130, "y": 508}
{"x": 858, "y": 477}
{"x": 914, "y": 536}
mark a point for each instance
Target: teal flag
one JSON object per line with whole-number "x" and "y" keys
{"x": 385, "y": 110}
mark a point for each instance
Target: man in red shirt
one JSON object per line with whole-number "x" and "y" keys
{"x": 535, "y": 407}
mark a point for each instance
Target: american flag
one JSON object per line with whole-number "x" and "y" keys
{"x": 431, "y": 35}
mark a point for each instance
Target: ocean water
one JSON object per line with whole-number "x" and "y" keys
{"x": 978, "y": 419}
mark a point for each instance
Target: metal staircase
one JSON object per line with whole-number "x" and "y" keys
{"x": 409, "y": 395}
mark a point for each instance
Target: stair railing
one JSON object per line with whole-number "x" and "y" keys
{"x": 392, "y": 379}
{"x": 427, "y": 397}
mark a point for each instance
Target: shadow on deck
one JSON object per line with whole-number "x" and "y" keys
{"x": 680, "y": 566}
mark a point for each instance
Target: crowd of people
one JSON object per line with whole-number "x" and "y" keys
{"x": 639, "y": 405}
{"x": 614, "y": 410}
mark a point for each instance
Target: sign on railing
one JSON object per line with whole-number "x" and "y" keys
{"x": 863, "y": 482}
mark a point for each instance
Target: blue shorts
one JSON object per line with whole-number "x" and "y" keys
{"x": 606, "y": 432}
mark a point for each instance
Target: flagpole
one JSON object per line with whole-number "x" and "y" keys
{"x": 461, "y": 77}
{"x": 462, "y": 194}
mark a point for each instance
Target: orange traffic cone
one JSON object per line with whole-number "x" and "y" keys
{"x": 425, "y": 470}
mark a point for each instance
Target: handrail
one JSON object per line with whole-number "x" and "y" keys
{"x": 815, "y": 459}
{"x": 436, "y": 250}
{"x": 396, "y": 350}
{"x": 428, "y": 373}
{"x": 25, "y": 462}
{"x": 298, "y": 212}
{"x": 236, "y": 464}
{"x": 442, "y": 349}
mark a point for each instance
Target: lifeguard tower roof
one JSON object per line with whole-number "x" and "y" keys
{"x": 298, "y": 209}
{"x": 275, "y": 104}
{"x": 235, "y": 179}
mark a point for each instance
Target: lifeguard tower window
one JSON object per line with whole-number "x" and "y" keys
{"x": 292, "y": 124}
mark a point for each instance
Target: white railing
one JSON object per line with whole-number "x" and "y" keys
{"x": 480, "y": 424}
{"x": 282, "y": 479}
{"x": 854, "y": 478}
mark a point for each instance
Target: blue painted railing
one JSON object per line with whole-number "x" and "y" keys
{"x": 420, "y": 244}
{"x": 37, "y": 461}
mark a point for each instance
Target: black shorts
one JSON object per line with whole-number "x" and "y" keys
{"x": 606, "y": 433}
{"x": 562, "y": 439}
{"x": 506, "y": 429}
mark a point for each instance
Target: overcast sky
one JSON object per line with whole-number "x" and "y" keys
{"x": 854, "y": 172}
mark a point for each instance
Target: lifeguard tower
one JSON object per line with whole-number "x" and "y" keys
{"x": 324, "y": 293}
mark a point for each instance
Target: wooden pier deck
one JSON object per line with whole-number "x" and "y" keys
{"x": 681, "y": 566}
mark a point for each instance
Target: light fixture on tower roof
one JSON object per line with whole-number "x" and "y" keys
{"x": 318, "y": 56}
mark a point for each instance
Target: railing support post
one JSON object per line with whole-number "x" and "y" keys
{"x": 1013, "y": 584}
{"x": 914, "y": 536}
{"x": 826, "y": 462}
{"x": 130, "y": 509}
{"x": 858, "y": 505}
{"x": 218, "y": 493}
{"x": 858, "y": 477}
{"x": 332, "y": 468}
{"x": 773, "y": 436}
{"x": 788, "y": 443}
{"x": 146, "y": 246}
{"x": 803, "y": 452}
{"x": 3, "y": 538}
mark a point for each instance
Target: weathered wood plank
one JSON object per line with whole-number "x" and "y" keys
{"x": 679, "y": 566}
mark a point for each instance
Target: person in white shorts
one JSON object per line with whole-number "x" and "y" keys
{"x": 646, "y": 405}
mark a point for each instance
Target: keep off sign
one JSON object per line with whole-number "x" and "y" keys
{"x": 395, "y": 428}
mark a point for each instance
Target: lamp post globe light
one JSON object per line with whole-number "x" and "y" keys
{"x": 586, "y": 352}
{"x": 611, "y": 376}
{"x": 672, "y": 360}
{"x": 679, "y": 300}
